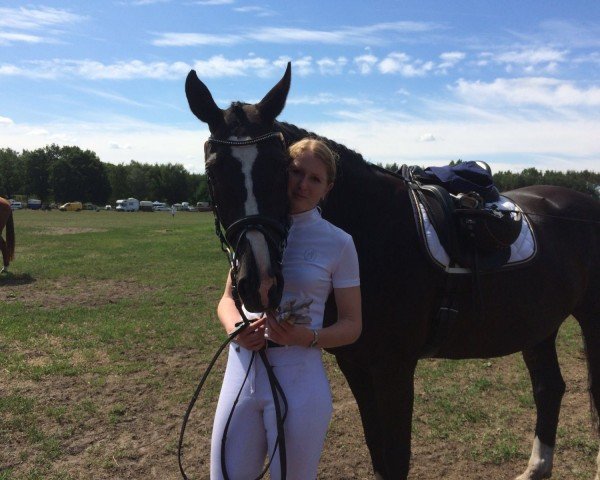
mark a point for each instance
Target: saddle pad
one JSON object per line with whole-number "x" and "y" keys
{"x": 522, "y": 250}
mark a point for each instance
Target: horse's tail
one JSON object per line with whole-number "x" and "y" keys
{"x": 10, "y": 237}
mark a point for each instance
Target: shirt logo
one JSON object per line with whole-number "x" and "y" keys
{"x": 310, "y": 254}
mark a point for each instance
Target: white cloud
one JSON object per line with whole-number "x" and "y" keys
{"x": 111, "y": 96}
{"x": 398, "y": 63}
{"x": 536, "y": 91}
{"x": 326, "y": 99}
{"x": 213, "y": 2}
{"x": 427, "y": 137}
{"x": 219, "y": 66}
{"x": 134, "y": 69}
{"x": 329, "y": 66}
{"x": 449, "y": 60}
{"x": 17, "y": 23}
{"x": 194, "y": 39}
{"x": 365, "y": 63}
{"x": 258, "y": 11}
{"x": 452, "y": 57}
{"x": 7, "y": 38}
{"x": 532, "y": 56}
{"x": 148, "y": 2}
{"x": 38, "y": 132}
{"x": 214, "y": 67}
{"x": 375, "y": 34}
{"x": 10, "y": 70}
{"x": 5, "y": 121}
{"x": 35, "y": 18}
{"x": 118, "y": 146}
{"x": 545, "y": 145}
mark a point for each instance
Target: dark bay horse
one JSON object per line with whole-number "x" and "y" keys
{"x": 7, "y": 246}
{"x": 402, "y": 289}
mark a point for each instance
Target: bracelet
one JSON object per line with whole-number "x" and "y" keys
{"x": 315, "y": 339}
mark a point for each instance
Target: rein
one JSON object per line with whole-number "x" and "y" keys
{"x": 230, "y": 238}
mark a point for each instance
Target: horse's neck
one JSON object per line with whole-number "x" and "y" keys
{"x": 365, "y": 199}
{"x": 361, "y": 193}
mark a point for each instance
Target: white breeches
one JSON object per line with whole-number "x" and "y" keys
{"x": 253, "y": 431}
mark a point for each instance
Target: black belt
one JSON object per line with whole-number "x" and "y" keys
{"x": 271, "y": 344}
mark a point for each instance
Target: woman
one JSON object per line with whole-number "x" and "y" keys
{"x": 319, "y": 258}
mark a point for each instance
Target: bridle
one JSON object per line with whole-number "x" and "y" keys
{"x": 230, "y": 236}
{"x": 275, "y": 233}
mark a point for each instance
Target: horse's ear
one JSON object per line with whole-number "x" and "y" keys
{"x": 201, "y": 101}
{"x": 274, "y": 101}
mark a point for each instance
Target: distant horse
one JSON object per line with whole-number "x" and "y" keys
{"x": 8, "y": 246}
{"x": 402, "y": 288}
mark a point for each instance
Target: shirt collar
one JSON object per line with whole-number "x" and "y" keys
{"x": 305, "y": 218}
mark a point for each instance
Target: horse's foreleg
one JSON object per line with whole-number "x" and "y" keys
{"x": 361, "y": 384}
{"x": 548, "y": 389}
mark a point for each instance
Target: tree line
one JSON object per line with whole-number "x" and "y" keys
{"x": 584, "y": 181}
{"x": 68, "y": 173}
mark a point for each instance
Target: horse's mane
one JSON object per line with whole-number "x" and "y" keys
{"x": 347, "y": 157}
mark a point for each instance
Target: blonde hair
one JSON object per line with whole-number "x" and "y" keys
{"x": 320, "y": 150}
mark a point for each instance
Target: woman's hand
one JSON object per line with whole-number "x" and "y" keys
{"x": 287, "y": 334}
{"x": 253, "y": 336}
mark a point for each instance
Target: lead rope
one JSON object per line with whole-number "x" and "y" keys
{"x": 241, "y": 326}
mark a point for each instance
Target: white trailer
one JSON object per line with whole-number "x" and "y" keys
{"x": 129, "y": 205}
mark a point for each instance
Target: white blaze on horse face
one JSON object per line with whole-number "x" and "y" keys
{"x": 247, "y": 156}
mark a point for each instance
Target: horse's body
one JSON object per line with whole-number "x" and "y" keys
{"x": 6, "y": 246}
{"x": 401, "y": 292}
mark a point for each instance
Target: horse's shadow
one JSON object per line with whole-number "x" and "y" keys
{"x": 8, "y": 279}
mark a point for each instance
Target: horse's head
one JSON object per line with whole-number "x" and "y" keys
{"x": 246, "y": 165}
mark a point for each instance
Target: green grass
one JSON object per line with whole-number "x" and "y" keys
{"x": 106, "y": 320}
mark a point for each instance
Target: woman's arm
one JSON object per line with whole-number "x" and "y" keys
{"x": 349, "y": 322}
{"x": 345, "y": 331}
{"x": 251, "y": 337}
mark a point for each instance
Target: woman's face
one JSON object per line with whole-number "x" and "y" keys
{"x": 307, "y": 183}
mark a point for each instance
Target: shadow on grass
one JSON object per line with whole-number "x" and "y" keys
{"x": 11, "y": 279}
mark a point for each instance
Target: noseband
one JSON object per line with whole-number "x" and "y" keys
{"x": 275, "y": 232}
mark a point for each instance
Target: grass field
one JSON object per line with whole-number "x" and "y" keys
{"x": 107, "y": 320}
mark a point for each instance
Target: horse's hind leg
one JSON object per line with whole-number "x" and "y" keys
{"x": 548, "y": 390}
{"x": 590, "y": 328}
{"x": 4, "y": 249}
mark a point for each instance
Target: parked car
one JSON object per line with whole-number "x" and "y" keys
{"x": 146, "y": 206}
{"x": 34, "y": 204}
{"x": 71, "y": 207}
{"x": 108, "y": 207}
{"x": 15, "y": 205}
{"x": 160, "y": 207}
{"x": 91, "y": 206}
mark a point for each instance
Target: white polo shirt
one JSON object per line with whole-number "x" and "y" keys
{"x": 318, "y": 258}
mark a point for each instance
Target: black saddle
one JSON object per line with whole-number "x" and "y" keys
{"x": 473, "y": 235}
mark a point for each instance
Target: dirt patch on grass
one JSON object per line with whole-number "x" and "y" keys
{"x": 127, "y": 426}
{"x": 69, "y": 230}
{"x": 66, "y": 291}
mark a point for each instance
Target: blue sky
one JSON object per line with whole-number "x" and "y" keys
{"x": 423, "y": 82}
